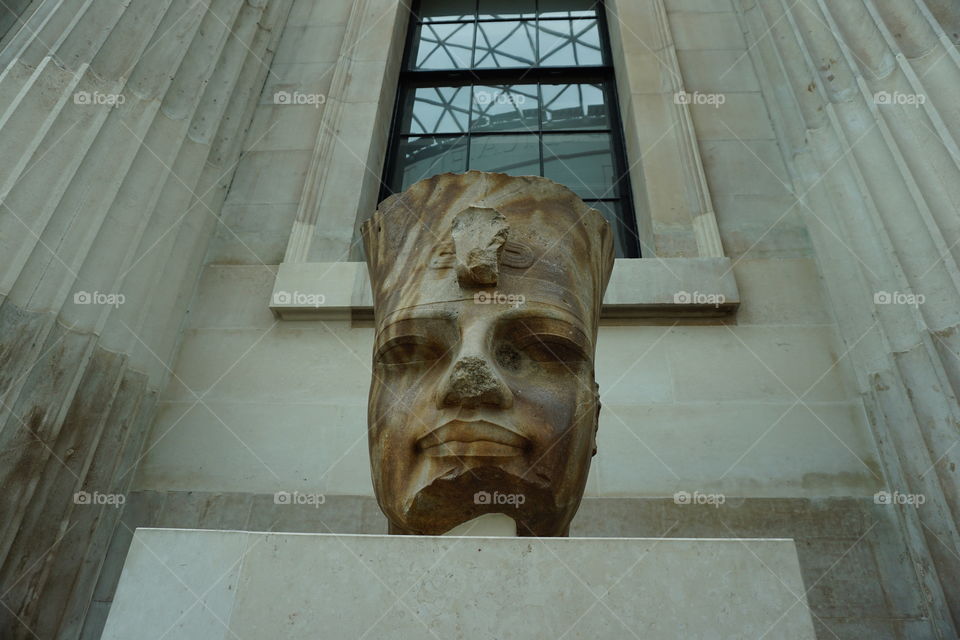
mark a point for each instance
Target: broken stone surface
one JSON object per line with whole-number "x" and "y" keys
{"x": 478, "y": 236}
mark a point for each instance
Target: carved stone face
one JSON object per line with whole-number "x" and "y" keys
{"x": 483, "y": 397}
{"x": 469, "y": 399}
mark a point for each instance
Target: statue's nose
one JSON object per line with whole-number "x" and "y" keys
{"x": 471, "y": 382}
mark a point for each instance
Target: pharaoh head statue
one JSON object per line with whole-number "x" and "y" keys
{"x": 487, "y": 291}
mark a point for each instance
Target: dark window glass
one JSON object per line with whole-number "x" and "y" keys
{"x": 445, "y": 46}
{"x": 516, "y": 154}
{"x": 613, "y": 212}
{"x": 574, "y": 106}
{"x": 582, "y": 161}
{"x": 436, "y": 110}
{"x": 504, "y": 44}
{"x": 500, "y": 9}
{"x": 568, "y": 8}
{"x": 427, "y": 156}
{"x": 443, "y": 10}
{"x": 569, "y": 43}
{"x": 505, "y": 108}
{"x": 522, "y": 87}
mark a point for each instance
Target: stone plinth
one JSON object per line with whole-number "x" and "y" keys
{"x": 189, "y": 584}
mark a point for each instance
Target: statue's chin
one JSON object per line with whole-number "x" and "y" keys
{"x": 453, "y": 499}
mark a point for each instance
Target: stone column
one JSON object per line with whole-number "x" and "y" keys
{"x": 122, "y": 124}
{"x": 864, "y": 97}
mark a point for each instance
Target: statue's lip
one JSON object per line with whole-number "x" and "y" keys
{"x": 478, "y": 431}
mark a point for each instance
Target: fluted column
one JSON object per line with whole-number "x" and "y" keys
{"x": 127, "y": 117}
{"x": 865, "y": 96}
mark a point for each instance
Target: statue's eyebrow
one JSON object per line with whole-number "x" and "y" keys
{"x": 407, "y": 320}
{"x": 419, "y": 313}
{"x": 544, "y": 313}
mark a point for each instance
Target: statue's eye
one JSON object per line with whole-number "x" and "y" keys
{"x": 409, "y": 350}
{"x": 551, "y": 349}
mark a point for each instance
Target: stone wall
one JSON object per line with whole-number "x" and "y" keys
{"x": 121, "y": 124}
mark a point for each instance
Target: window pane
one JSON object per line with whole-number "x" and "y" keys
{"x": 623, "y": 238}
{"x": 434, "y": 10}
{"x": 505, "y": 108}
{"x": 568, "y": 8}
{"x": 444, "y": 46}
{"x": 574, "y": 106}
{"x": 436, "y": 110}
{"x": 525, "y": 117}
{"x": 507, "y": 9}
{"x": 518, "y": 155}
{"x": 581, "y": 161}
{"x": 419, "y": 158}
{"x": 568, "y": 43}
{"x": 505, "y": 44}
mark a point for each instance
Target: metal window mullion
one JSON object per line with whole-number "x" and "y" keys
{"x": 469, "y": 129}
{"x": 551, "y": 132}
{"x": 594, "y": 74}
{"x": 535, "y": 18}
{"x": 540, "y": 115}
{"x": 480, "y": 134}
{"x": 472, "y": 83}
{"x": 536, "y": 29}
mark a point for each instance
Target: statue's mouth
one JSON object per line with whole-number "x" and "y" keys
{"x": 478, "y": 438}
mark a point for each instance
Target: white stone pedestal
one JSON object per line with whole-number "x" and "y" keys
{"x": 206, "y": 585}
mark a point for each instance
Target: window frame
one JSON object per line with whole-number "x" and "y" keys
{"x": 604, "y": 75}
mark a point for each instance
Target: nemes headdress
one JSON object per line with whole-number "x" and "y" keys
{"x": 453, "y": 235}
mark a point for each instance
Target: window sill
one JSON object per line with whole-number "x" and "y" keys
{"x": 639, "y": 288}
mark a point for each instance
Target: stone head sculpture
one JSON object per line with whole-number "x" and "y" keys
{"x": 487, "y": 291}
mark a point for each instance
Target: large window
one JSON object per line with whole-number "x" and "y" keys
{"x": 523, "y": 87}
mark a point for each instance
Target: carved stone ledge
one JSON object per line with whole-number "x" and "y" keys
{"x": 639, "y": 288}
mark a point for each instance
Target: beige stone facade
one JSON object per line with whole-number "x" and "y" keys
{"x": 820, "y": 198}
